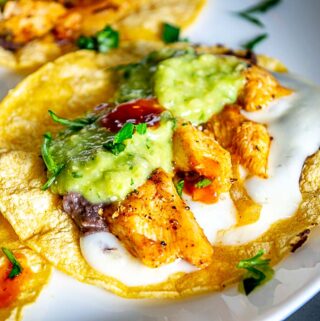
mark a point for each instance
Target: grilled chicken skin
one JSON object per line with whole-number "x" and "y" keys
{"x": 260, "y": 90}
{"x": 157, "y": 227}
{"x": 197, "y": 151}
{"x": 247, "y": 141}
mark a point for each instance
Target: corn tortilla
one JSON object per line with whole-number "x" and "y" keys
{"x": 71, "y": 86}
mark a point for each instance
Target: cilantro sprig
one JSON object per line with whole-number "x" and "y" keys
{"x": 53, "y": 168}
{"x": 258, "y": 272}
{"x": 116, "y": 146}
{"x": 102, "y": 41}
{"x": 250, "y": 18}
{"x": 180, "y": 186}
{"x": 16, "y": 267}
{"x": 261, "y": 7}
{"x": 76, "y": 124}
{"x": 251, "y": 44}
{"x": 203, "y": 183}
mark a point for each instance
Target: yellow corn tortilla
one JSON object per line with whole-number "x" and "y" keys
{"x": 134, "y": 19}
{"x": 70, "y": 86}
{"x": 32, "y": 288}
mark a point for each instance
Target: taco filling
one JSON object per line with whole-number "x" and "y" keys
{"x": 165, "y": 170}
{"x": 175, "y": 118}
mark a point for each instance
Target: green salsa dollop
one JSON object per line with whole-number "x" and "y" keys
{"x": 99, "y": 175}
{"x": 196, "y": 87}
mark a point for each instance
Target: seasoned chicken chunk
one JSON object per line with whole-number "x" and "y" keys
{"x": 247, "y": 141}
{"x": 197, "y": 151}
{"x": 261, "y": 88}
{"x": 157, "y": 227}
{"x": 26, "y": 20}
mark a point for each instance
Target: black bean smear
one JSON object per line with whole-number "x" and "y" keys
{"x": 85, "y": 215}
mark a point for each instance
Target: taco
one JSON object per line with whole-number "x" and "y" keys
{"x": 33, "y": 32}
{"x": 165, "y": 171}
{"x": 22, "y": 274}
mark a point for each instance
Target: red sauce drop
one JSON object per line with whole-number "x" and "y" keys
{"x": 139, "y": 111}
{"x": 10, "y": 288}
{"x": 207, "y": 195}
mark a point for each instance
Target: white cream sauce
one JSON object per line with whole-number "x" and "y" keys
{"x": 294, "y": 124}
{"x": 104, "y": 252}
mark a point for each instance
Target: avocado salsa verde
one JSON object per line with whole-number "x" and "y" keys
{"x": 186, "y": 85}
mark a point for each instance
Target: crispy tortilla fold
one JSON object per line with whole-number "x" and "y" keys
{"x": 134, "y": 19}
{"x": 33, "y": 286}
{"x": 146, "y": 23}
{"x": 70, "y": 86}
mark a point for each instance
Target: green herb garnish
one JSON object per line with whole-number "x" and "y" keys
{"x": 76, "y": 124}
{"x": 170, "y": 33}
{"x": 179, "y": 187}
{"x": 250, "y": 45}
{"x": 203, "y": 183}
{"x": 141, "y": 128}
{"x": 263, "y": 6}
{"x": 258, "y": 272}
{"x": 53, "y": 169}
{"x": 126, "y": 132}
{"x": 250, "y": 18}
{"x": 102, "y": 41}
{"x": 16, "y": 267}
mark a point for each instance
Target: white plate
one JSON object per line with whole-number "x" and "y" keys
{"x": 293, "y": 29}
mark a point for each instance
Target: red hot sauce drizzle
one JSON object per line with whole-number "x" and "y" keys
{"x": 139, "y": 111}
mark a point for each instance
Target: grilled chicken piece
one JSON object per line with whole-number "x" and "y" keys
{"x": 197, "y": 151}
{"x": 261, "y": 89}
{"x": 26, "y": 20}
{"x": 156, "y": 226}
{"x": 247, "y": 141}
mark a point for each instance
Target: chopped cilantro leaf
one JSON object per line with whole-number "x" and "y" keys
{"x": 102, "y": 41}
{"x": 250, "y": 45}
{"x": 53, "y": 169}
{"x": 16, "y": 267}
{"x": 141, "y": 128}
{"x": 73, "y": 124}
{"x": 46, "y": 156}
{"x": 170, "y": 33}
{"x": 179, "y": 187}
{"x": 115, "y": 149}
{"x": 250, "y": 18}
{"x": 107, "y": 39}
{"x": 203, "y": 183}
{"x": 263, "y": 6}
{"x": 84, "y": 42}
{"x": 258, "y": 272}
{"x": 131, "y": 182}
{"x": 126, "y": 132}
